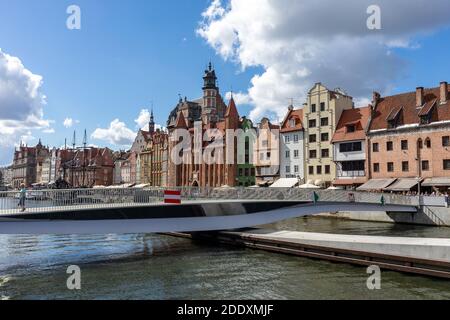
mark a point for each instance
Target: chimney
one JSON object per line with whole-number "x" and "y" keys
{"x": 375, "y": 98}
{"x": 419, "y": 97}
{"x": 444, "y": 92}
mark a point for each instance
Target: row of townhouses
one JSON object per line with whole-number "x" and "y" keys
{"x": 397, "y": 143}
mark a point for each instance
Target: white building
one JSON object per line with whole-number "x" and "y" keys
{"x": 292, "y": 160}
{"x": 49, "y": 174}
{"x": 349, "y": 148}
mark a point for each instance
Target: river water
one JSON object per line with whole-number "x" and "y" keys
{"x": 140, "y": 266}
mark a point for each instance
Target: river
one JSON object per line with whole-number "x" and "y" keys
{"x": 141, "y": 266}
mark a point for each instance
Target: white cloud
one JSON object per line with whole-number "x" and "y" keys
{"x": 49, "y": 131}
{"x": 68, "y": 122}
{"x": 298, "y": 43}
{"x": 21, "y": 105}
{"x": 143, "y": 119}
{"x": 117, "y": 134}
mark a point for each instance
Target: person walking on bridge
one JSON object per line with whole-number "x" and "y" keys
{"x": 22, "y": 197}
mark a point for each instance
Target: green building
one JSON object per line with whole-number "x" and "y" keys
{"x": 246, "y": 173}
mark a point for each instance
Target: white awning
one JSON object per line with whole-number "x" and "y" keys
{"x": 403, "y": 185}
{"x": 376, "y": 184}
{"x": 285, "y": 183}
{"x": 436, "y": 182}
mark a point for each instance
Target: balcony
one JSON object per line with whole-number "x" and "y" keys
{"x": 351, "y": 174}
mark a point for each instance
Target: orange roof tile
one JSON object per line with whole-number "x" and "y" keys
{"x": 411, "y": 113}
{"x": 358, "y": 117}
{"x": 292, "y": 114}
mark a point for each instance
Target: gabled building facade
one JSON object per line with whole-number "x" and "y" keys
{"x": 292, "y": 160}
{"x": 321, "y": 114}
{"x": 350, "y": 148}
{"x": 267, "y": 152}
{"x": 208, "y": 112}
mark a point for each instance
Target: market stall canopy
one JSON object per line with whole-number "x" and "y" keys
{"x": 349, "y": 182}
{"x": 437, "y": 182}
{"x": 376, "y": 184}
{"x": 285, "y": 183}
{"x": 309, "y": 186}
{"x": 403, "y": 185}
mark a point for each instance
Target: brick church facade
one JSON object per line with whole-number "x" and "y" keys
{"x": 208, "y": 112}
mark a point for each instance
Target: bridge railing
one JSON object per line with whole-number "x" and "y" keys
{"x": 82, "y": 199}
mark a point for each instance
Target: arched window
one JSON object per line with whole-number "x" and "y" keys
{"x": 428, "y": 143}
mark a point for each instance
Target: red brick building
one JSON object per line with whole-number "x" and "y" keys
{"x": 86, "y": 167}
{"x": 409, "y": 140}
{"x": 208, "y": 112}
{"x": 27, "y": 165}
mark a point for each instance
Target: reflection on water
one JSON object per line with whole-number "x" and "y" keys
{"x": 160, "y": 267}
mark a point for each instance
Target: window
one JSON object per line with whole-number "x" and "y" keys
{"x": 351, "y": 128}
{"x": 312, "y": 123}
{"x": 319, "y": 169}
{"x": 389, "y": 146}
{"x": 311, "y": 170}
{"x": 322, "y": 106}
{"x": 312, "y": 154}
{"x": 287, "y": 139}
{"x": 261, "y": 156}
{"x": 428, "y": 143}
{"x": 313, "y": 108}
{"x": 288, "y": 169}
{"x": 295, "y": 138}
{"x": 296, "y": 153}
{"x": 350, "y": 147}
{"x": 446, "y": 141}
{"x": 376, "y": 147}
{"x": 312, "y": 138}
{"x": 296, "y": 169}
{"x": 404, "y": 144}
{"x": 446, "y": 164}
{"x": 288, "y": 154}
{"x": 292, "y": 123}
{"x": 265, "y": 143}
{"x": 241, "y": 172}
{"x": 390, "y": 167}
{"x": 405, "y": 166}
{"x": 325, "y": 153}
{"x": 327, "y": 169}
{"x": 425, "y": 165}
{"x": 376, "y": 167}
{"x": 324, "y": 137}
{"x": 324, "y": 122}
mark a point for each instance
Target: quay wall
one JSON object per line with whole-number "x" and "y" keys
{"x": 427, "y": 215}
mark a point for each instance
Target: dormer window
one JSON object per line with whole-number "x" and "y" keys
{"x": 351, "y": 128}
{"x": 395, "y": 118}
{"x": 292, "y": 123}
{"x": 426, "y": 113}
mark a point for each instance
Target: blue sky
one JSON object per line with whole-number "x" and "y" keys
{"x": 129, "y": 54}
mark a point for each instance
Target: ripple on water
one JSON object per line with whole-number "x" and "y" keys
{"x": 158, "y": 267}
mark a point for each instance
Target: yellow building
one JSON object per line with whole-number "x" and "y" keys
{"x": 321, "y": 115}
{"x": 154, "y": 160}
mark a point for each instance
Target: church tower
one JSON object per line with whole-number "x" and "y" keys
{"x": 210, "y": 95}
{"x": 152, "y": 123}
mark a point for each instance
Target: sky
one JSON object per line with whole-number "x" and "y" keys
{"x": 130, "y": 56}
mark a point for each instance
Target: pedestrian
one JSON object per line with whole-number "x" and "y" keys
{"x": 22, "y": 197}
{"x": 447, "y": 200}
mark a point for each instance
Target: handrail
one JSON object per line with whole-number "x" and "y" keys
{"x": 38, "y": 201}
